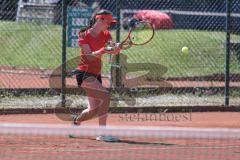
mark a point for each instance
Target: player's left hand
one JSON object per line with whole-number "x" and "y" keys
{"x": 113, "y": 49}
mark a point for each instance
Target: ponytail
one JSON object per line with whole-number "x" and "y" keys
{"x": 91, "y": 23}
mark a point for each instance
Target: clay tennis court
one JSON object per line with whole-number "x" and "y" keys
{"x": 62, "y": 147}
{"x": 34, "y": 147}
{"x": 191, "y": 113}
{"x": 17, "y": 77}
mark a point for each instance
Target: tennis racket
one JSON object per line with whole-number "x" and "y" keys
{"x": 141, "y": 33}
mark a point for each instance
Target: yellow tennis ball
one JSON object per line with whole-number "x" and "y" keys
{"x": 185, "y": 50}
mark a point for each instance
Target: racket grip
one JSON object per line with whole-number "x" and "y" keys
{"x": 108, "y": 48}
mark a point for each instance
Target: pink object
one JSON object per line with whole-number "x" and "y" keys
{"x": 159, "y": 19}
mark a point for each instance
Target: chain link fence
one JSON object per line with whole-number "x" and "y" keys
{"x": 157, "y": 74}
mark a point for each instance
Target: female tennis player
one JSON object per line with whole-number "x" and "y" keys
{"x": 92, "y": 41}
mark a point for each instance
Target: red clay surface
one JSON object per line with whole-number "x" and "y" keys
{"x": 41, "y": 147}
{"x": 29, "y": 147}
{"x": 193, "y": 119}
{"x": 36, "y": 78}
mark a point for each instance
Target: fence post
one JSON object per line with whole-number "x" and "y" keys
{"x": 64, "y": 26}
{"x": 117, "y": 70}
{"x": 227, "y": 55}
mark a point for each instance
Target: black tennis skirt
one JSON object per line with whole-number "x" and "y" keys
{"x": 82, "y": 75}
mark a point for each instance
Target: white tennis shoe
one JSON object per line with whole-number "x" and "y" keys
{"x": 107, "y": 138}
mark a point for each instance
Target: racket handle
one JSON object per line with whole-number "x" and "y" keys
{"x": 108, "y": 48}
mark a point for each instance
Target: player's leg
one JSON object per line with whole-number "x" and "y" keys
{"x": 102, "y": 120}
{"x": 103, "y": 117}
{"x": 98, "y": 98}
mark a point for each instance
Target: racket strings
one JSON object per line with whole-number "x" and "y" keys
{"x": 141, "y": 33}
